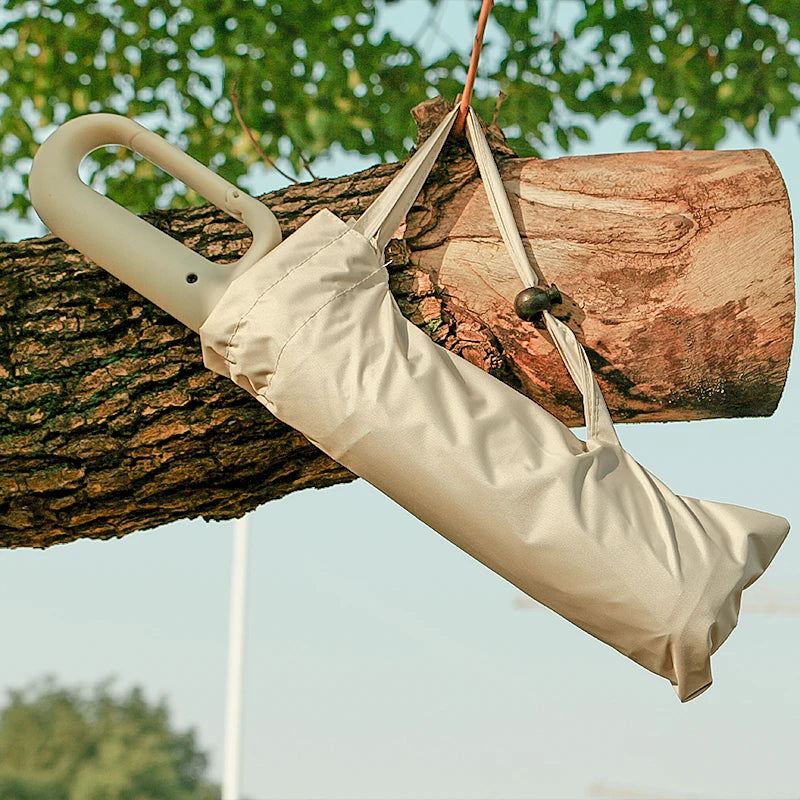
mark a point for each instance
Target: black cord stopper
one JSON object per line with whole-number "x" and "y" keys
{"x": 530, "y": 302}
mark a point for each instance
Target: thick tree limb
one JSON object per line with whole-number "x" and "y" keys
{"x": 677, "y": 269}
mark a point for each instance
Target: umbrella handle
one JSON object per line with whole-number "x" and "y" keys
{"x": 179, "y": 280}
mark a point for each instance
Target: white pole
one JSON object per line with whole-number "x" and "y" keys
{"x": 232, "y": 769}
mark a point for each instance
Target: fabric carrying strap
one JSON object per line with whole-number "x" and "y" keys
{"x": 384, "y": 216}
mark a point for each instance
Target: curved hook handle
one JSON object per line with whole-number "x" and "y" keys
{"x": 174, "y": 277}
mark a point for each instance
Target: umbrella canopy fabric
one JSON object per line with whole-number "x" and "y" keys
{"x": 313, "y": 332}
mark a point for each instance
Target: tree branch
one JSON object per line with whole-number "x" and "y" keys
{"x": 677, "y": 273}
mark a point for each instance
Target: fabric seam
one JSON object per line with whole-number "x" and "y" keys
{"x": 269, "y": 288}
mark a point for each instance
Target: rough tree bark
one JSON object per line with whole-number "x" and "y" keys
{"x": 676, "y": 270}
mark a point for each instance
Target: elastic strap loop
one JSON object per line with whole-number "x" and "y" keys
{"x": 599, "y": 426}
{"x": 529, "y": 273}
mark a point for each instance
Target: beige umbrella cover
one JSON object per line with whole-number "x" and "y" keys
{"x": 313, "y": 332}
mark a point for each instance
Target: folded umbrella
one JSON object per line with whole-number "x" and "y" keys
{"x": 313, "y": 332}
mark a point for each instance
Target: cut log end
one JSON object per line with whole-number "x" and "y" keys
{"x": 676, "y": 270}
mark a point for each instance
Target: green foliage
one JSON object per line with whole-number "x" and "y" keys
{"x": 313, "y": 73}
{"x": 58, "y": 744}
{"x": 689, "y": 66}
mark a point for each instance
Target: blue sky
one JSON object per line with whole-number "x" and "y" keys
{"x": 382, "y": 662}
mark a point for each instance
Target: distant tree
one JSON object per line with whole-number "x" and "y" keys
{"x": 63, "y": 744}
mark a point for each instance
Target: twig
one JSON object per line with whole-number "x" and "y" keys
{"x": 264, "y": 157}
{"x": 502, "y": 96}
{"x": 436, "y": 29}
{"x": 466, "y": 95}
{"x": 428, "y": 24}
{"x": 306, "y": 164}
{"x": 551, "y": 22}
